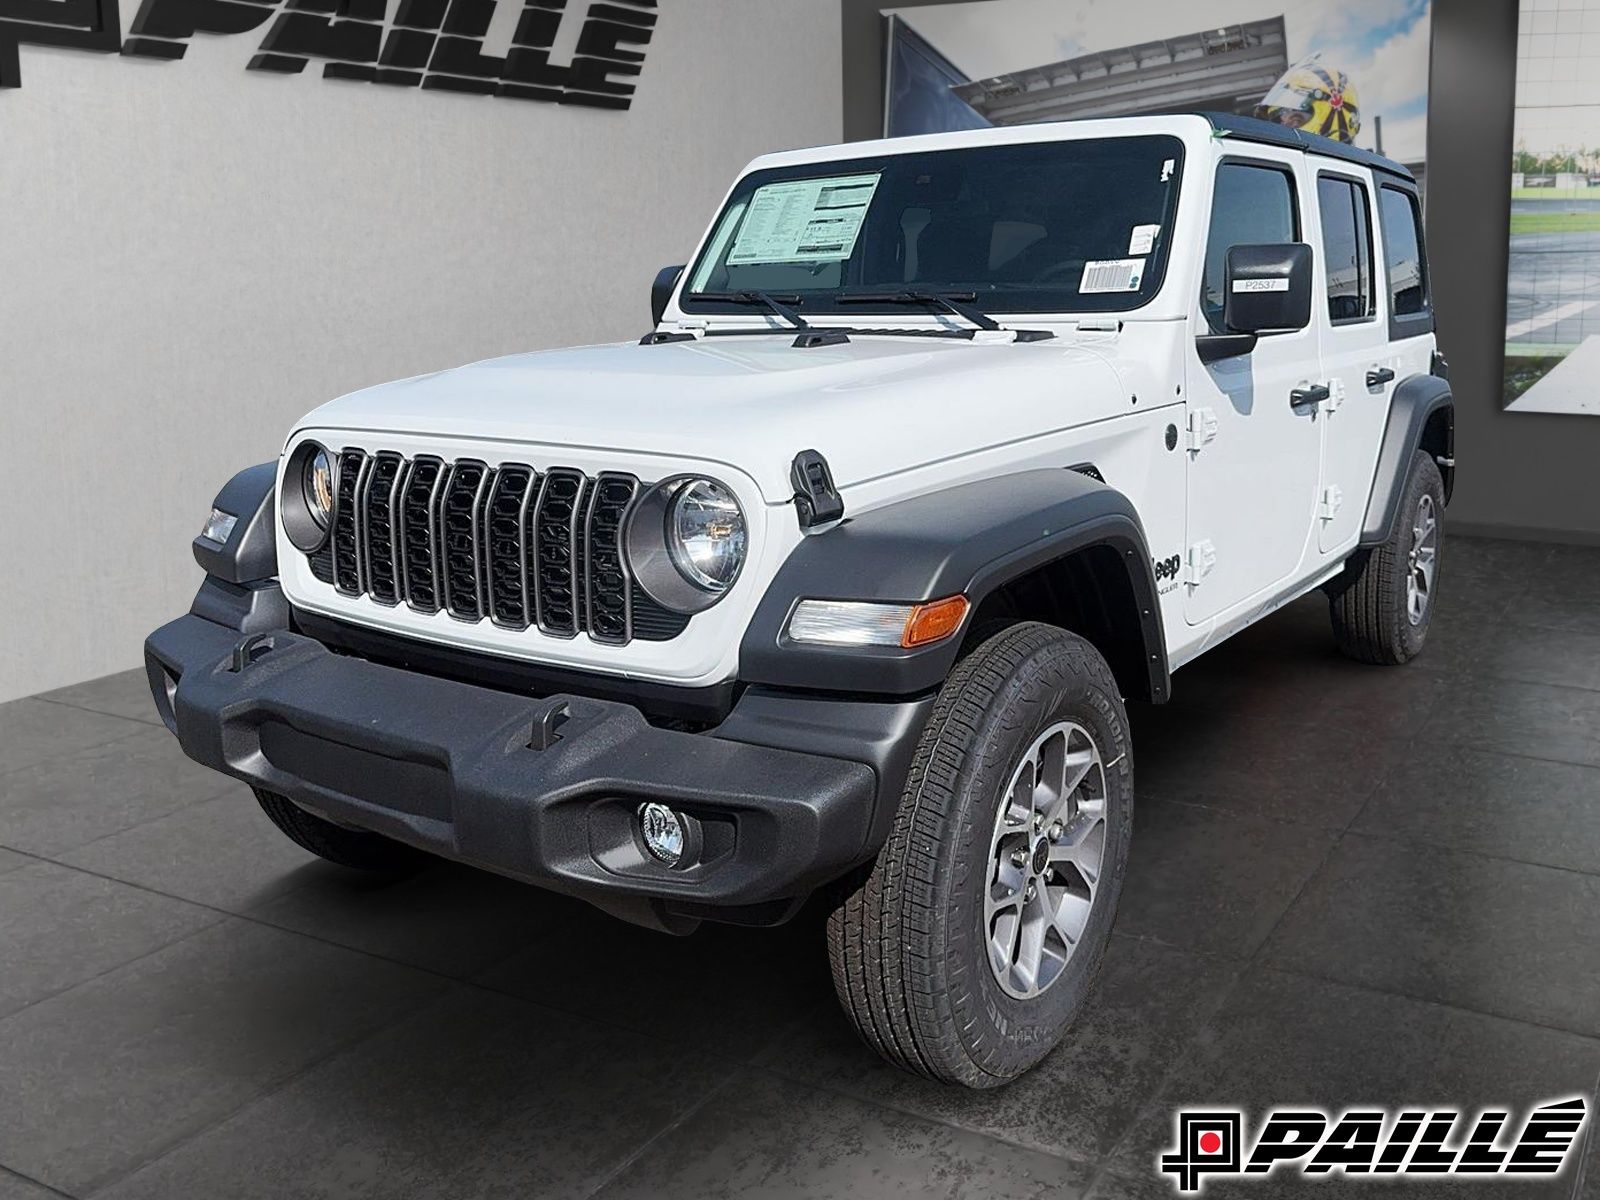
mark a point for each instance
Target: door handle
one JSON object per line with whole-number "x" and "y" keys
{"x": 1302, "y": 397}
{"x": 1377, "y": 378}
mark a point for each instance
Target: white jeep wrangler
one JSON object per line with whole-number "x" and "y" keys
{"x": 941, "y": 450}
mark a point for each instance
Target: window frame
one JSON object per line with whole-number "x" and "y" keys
{"x": 1408, "y": 325}
{"x": 1372, "y": 264}
{"x": 1296, "y": 211}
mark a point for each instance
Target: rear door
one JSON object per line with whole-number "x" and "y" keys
{"x": 1254, "y": 459}
{"x": 1357, "y": 362}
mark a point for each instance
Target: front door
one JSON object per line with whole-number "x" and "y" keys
{"x": 1253, "y": 456}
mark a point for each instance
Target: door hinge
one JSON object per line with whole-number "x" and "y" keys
{"x": 1202, "y": 557}
{"x": 1332, "y": 501}
{"x": 1202, "y": 428}
{"x": 1335, "y": 396}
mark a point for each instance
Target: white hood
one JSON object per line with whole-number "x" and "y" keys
{"x": 873, "y": 407}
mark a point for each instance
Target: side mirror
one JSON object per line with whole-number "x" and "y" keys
{"x": 1268, "y": 288}
{"x": 661, "y": 291}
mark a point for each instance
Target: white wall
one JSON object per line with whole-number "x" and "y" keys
{"x": 193, "y": 254}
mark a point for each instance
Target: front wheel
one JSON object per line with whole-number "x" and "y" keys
{"x": 969, "y": 950}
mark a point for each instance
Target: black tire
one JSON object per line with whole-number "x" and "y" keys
{"x": 356, "y": 848}
{"x": 908, "y": 947}
{"x": 1369, "y": 603}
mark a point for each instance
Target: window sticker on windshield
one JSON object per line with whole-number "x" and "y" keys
{"x": 1112, "y": 275}
{"x": 805, "y": 220}
{"x": 1143, "y": 239}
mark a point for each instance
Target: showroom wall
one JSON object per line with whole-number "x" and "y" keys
{"x": 1523, "y": 475}
{"x": 192, "y": 254}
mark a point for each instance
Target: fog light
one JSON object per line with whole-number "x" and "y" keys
{"x": 665, "y": 833}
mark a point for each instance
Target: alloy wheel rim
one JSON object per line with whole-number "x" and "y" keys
{"x": 1423, "y": 561}
{"x": 1046, "y": 859}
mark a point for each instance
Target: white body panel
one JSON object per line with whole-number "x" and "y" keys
{"x": 898, "y": 416}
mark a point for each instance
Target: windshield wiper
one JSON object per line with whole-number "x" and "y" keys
{"x": 958, "y": 303}
{"x": 778, "y": 306}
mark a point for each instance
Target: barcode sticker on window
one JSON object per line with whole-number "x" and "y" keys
{"x": 1112, "y": 275}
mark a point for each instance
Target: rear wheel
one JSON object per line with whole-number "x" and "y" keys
{"x": 1383, "y": 605}
{"x": 970, "y": 948}
{"x": 357, "y": 848}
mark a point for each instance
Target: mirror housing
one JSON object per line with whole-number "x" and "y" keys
{"x": 1267, "y": 289}
{"x": 661, "y": 291}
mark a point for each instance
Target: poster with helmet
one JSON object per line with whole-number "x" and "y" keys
{"x": 1355, "y": 71}
{"x": 1553, "y": 277}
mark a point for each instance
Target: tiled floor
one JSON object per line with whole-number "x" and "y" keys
{"x": 1349, "y": 885}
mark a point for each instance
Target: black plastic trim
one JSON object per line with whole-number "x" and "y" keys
{"x": 969, "y": 539}
{"x": 463, "y": 772}
{"x": 706, "y": 705}
{"x": 1269, "y": 133}
{"x": 251, "y": 553}
{"x": 1413, "y": 402}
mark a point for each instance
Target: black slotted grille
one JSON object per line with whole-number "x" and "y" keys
{"x": 506, "y": 534}
{"x": 505, "y": 544}
{"x": 383, "y": 576}
{"x": 609, "y": 588}
{"x": 554, "y": 525}
{"x": 346, "y": 540}
{"x": 460, "y": 527}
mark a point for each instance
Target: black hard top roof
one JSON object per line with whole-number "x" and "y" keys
{"x": 1249, "y": 129}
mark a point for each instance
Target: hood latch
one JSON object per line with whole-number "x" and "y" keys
{"x": 815, "y": 497}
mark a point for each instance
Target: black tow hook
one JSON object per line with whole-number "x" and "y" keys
{"x": 251, "y": 649}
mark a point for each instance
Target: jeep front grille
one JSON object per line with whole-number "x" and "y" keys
{"x": 507, "y": 544}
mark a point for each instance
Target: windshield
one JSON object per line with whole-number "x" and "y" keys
{"x": 1042, "y": 227}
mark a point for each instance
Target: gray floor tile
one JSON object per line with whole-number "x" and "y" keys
{"x": 1501, "y": 937}
{"x": 1579, "y": 613}
{"x": 1522, "y": 653}
{"x": 1210, "y": 881}
{"x": 32, "y": 731}
{"x": 1520, "y": 718}
{"x": 1589, "y": 1185}
{"x": 222, "y": 852}
{"x": 1496, "y": 804}
{"x": 14, "y": 1187}
{"x": 97, "y": 1080}
{"x": 450, "y": 919}
{"x": 477, "y": 1095}
{"x": 125, "y": 694}
{"x": 1244, "y": 758}
{"x": 1285, "y": 1039}
{"x": 11, "y": 861}
{"x": 1570, "y": 570}
{"x": 1143, "y": 1010}
{"x": 1483, "y": 578}
{"x": 765, "y": 1136}
{"x": 59, "y": 805}
{"x": 723, "y": 989}
{"x": 59, "y": 927}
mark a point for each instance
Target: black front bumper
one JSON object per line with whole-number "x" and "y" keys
{"x": 790, "y": 791}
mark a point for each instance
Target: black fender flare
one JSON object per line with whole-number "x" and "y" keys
{"x": 969, "y": 539}
{"x": 250, "y": 554}
{"x": 1413, "y": 404}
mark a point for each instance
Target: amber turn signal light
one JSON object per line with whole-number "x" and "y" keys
{"x": 934, "y": 621}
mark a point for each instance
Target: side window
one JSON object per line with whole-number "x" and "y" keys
{"x": 1402, "y": 251}
{"x": 1254, "y": 205}
{"x": 1346, "y": 248}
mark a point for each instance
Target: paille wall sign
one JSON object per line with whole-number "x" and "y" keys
{"x": 428, "y": 43}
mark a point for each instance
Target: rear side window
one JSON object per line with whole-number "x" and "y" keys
{"x": 1254, "y": 206}
{"x": 1402, "y": 252}
{"x": 1346, "y": 248}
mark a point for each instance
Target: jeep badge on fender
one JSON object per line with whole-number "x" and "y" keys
{"x": 838, "y": 580}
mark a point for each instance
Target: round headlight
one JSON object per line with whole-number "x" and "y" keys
{"x": 706, "y": 535}
{"x": 308, "y": 496}
{"x": 319, "y": 487}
